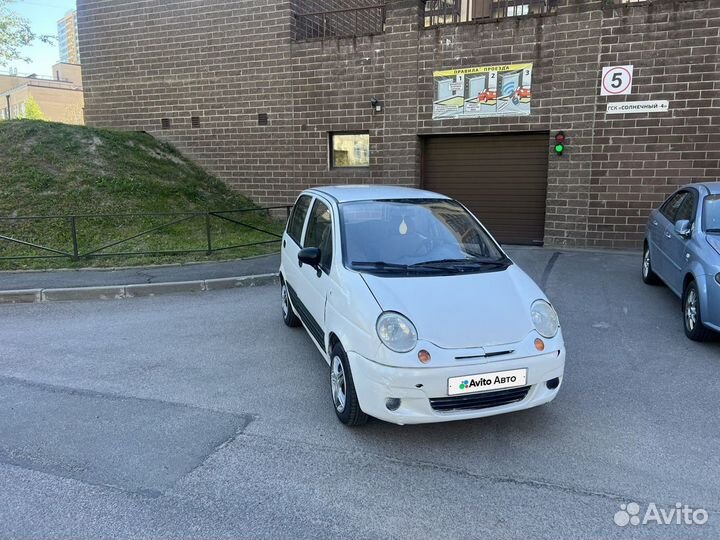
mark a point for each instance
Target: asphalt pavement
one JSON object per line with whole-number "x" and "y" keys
{"x": 202, "y": 415}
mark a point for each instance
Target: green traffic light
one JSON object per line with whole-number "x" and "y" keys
{"x": 559, "y": 148}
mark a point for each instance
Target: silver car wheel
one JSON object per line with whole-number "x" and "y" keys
{"x": 285, "y": 301}
{"x": 646, "y": 263}
{"x": 337, "y": 381}
{"x": 691, "y": 309}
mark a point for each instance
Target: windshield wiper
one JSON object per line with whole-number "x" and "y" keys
{"x": 465, "y": 262}
{"x": 382, "y": 265}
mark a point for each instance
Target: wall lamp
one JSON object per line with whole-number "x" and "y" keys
{"x": 377, "y": 105}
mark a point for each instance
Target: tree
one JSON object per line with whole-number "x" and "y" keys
{"x": 15, "y": 34}
{"x": 32, "y": 110}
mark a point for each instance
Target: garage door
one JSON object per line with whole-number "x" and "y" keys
{"x": 502, "y": 179}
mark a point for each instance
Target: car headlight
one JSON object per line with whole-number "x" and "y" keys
{"x": 396, "y": 332}
{"x": 545, "y": 319}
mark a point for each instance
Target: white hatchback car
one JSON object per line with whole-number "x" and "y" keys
{"x": 418, "y": 311}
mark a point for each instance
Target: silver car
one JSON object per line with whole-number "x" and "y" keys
{"x": 682, "y": 249}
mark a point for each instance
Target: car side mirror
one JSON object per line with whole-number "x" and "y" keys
{"x": 310, "y": 256}
{"x": 683, "y": 228}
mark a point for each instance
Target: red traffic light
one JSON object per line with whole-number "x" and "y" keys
{"x": 560, "y": 138}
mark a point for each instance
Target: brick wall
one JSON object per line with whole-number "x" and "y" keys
{"x": 227, "y": 61}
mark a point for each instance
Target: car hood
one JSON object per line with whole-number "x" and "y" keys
{"x": 462, "y": 311}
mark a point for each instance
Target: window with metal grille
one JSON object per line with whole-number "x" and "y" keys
{"x": 442, "y": 12}
{"x": 165, "y": 122}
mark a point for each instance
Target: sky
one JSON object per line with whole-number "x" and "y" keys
{"x": 43, "y": 16}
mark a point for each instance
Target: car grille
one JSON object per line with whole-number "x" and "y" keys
{"x": 484, "y": 400}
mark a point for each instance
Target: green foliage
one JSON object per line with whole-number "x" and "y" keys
{"x": 15, "y": 34}
{"x": 50, "y": 169}
{"x": 32, "y": 110}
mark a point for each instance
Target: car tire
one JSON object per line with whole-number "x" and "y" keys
{"x": 648, "y": 275}
{"x": 692, "y": 316}
{"x": 289, "y": 316}
{"x": 342, "y": 389}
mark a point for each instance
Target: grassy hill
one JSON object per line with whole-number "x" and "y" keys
{"x": 49, "y": 169}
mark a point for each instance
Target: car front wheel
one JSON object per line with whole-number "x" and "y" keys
{"x": 342, "y": 387}
{"x": 648, "y": 275}
{"x": 692, "y": 315}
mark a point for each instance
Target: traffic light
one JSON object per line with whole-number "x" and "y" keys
{"x": 560, "y": 143}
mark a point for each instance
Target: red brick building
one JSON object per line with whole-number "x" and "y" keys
{"x": 277, "y": 95}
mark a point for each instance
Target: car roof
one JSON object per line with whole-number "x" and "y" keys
{"x": 712, "y": 187}
{"x": 374, "y": 192}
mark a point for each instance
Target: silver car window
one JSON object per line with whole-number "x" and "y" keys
{"x": 670, "y": 208}
{"x": 711, "y": 214}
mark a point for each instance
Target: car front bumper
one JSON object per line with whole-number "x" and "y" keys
{"x": 415, "y": 387}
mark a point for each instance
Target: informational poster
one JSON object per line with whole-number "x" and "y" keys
{"x": 480, "y": 92}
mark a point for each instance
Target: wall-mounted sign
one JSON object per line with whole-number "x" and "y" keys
{"x": 636, "y": 107}
{"x": 483, "y": 92}
{"x": 617, "y": 81}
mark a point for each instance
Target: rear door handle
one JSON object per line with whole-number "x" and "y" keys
{"x": 655, "y": 223}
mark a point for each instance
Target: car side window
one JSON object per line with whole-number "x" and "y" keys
{"x": 670, "y": 208}
{"x": 297, "y": 218}
{"x": 319, "y": 234}
{"x": 687, "y": 208}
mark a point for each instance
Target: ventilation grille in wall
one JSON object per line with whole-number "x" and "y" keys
{"x": 263, "y": 119}
{"x": 165, "y": 122}
{"x": 195, "y": 121}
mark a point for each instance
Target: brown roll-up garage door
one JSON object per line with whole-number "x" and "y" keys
{"x": 502, "y": 179}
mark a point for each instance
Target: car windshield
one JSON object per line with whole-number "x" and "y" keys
{"x": 711, "y": 214}
{"x": 416, "y": 237}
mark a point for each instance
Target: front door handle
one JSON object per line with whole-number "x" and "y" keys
{"x": 668, "y": 235}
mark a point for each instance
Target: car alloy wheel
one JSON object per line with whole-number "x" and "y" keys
{"x": 648, "y": 275}
{"x": 692, "y": 315}
{"x": 691, "y": 309}
{"x": 289, "y": 316}
{"x": 338, "y": 383}
{"x": 285, "y": 301}
{"x": 646, "y": 264}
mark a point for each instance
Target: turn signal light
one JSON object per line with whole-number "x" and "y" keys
{"x": 424, "y": 356}
{"x": 539, "y": 344}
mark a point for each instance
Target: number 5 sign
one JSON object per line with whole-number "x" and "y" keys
{"x": 617, "y": 81}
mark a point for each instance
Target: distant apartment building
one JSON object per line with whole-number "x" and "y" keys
{"x": 68, "y": 39}
{"x": 60, "y": 97}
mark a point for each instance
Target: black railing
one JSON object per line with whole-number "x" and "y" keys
{"x": 352, "y": 22}
{"x": 210, "y": 232}
{"x": 442, "y": 12}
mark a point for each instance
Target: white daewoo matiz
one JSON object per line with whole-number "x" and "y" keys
{"x": 419, "y": 313}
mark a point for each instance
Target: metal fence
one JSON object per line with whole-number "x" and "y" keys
{"x": 351, "y": 22}
{"x": 68, "y": 230}
{"x": 442, "y": 12}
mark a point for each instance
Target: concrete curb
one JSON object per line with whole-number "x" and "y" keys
{"x": 119, "y": 292}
